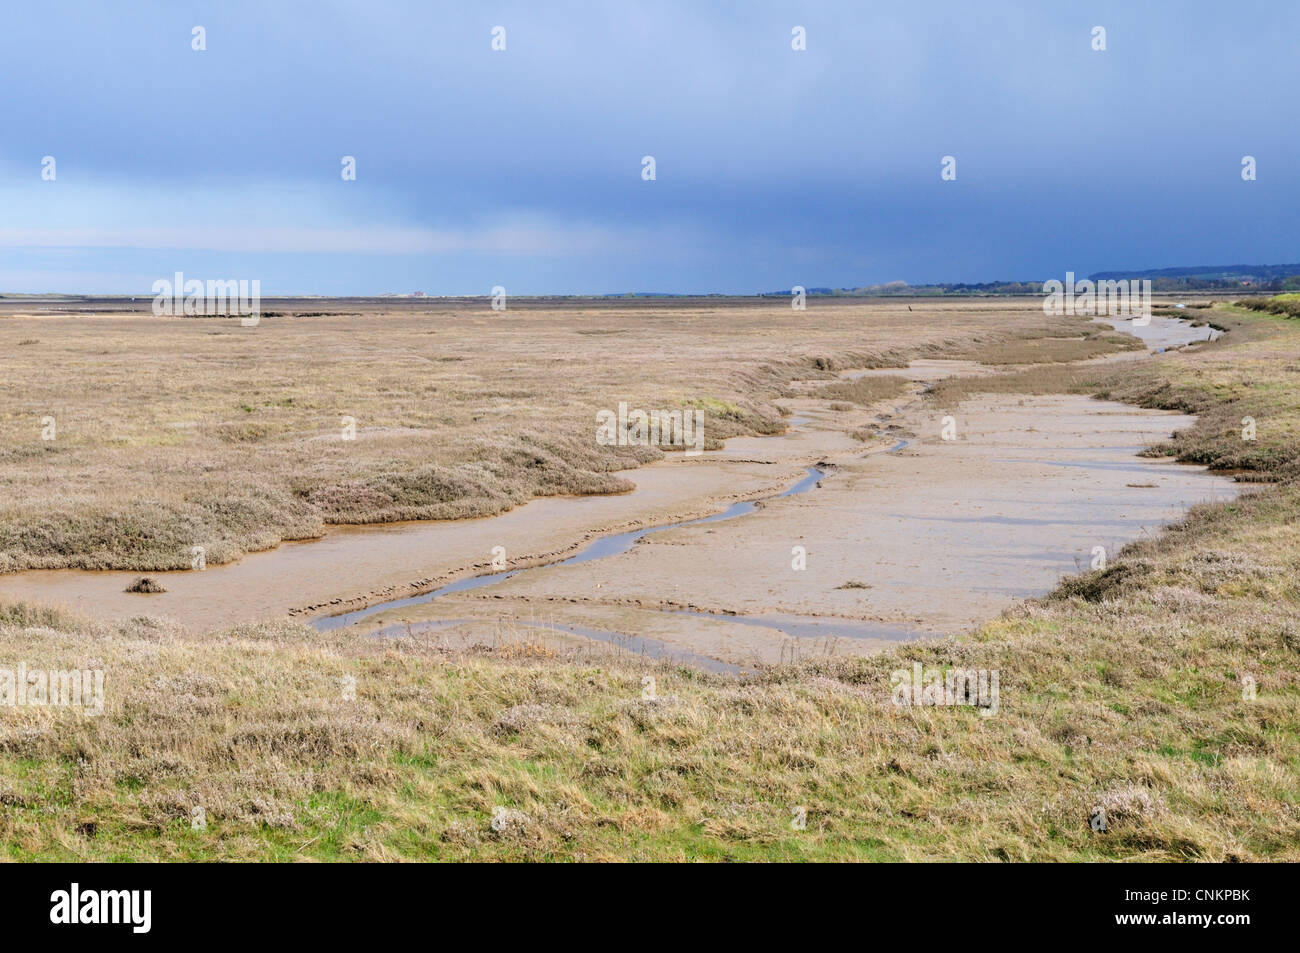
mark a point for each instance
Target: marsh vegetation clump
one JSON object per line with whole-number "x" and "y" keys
{"x": 862, "y": 391}
{"x": 1287, "y": 305}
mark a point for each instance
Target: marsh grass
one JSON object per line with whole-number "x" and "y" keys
{"x": 863, "y": 391}
{"x": 1287, "y": 305}
{"x": 174, "y": 433}
{"x": 1128, "y": 689}
{"x": 1045, "y": 343}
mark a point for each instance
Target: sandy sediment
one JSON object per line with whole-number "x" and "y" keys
{"x": 931, "y": 540}
{"x": 926, "y": 540}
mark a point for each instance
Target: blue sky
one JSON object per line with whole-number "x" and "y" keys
{"x": 522, "y": 168}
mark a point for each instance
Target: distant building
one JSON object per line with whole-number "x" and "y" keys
{"x": 417, "y": 294}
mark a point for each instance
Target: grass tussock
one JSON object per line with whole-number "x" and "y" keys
{"x": 1287, "y": 305}
{"x": 863, "y": 391}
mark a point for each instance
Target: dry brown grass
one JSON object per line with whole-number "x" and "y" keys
{"x": 172, "y": 433}
{"x": 1047, "y": 342}
{"x": 863, "y": 391}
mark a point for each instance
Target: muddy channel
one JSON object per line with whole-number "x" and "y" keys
{"x": 772, "y": 548}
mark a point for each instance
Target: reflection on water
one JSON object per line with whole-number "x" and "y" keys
{"x": 632, "y": 644}
{"x": 1161, "y": 333}
{"x": 815, "y": 628}
{"x": 601, "y": 548}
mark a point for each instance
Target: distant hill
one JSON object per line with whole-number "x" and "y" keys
{"x": 1248, "y": 280}
{"x": 1207, "y": 273}
{"x": 1255, "y": 279}
{"x": 902, "y": 288}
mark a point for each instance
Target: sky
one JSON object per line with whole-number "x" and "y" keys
{"x": 523, "y": 167}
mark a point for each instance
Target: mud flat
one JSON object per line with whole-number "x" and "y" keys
{"x": 351, "y": 567}
{"x": 905, "y": 537}
{"x": 926, "y": 541}
{"x": 1161, "y": 334}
